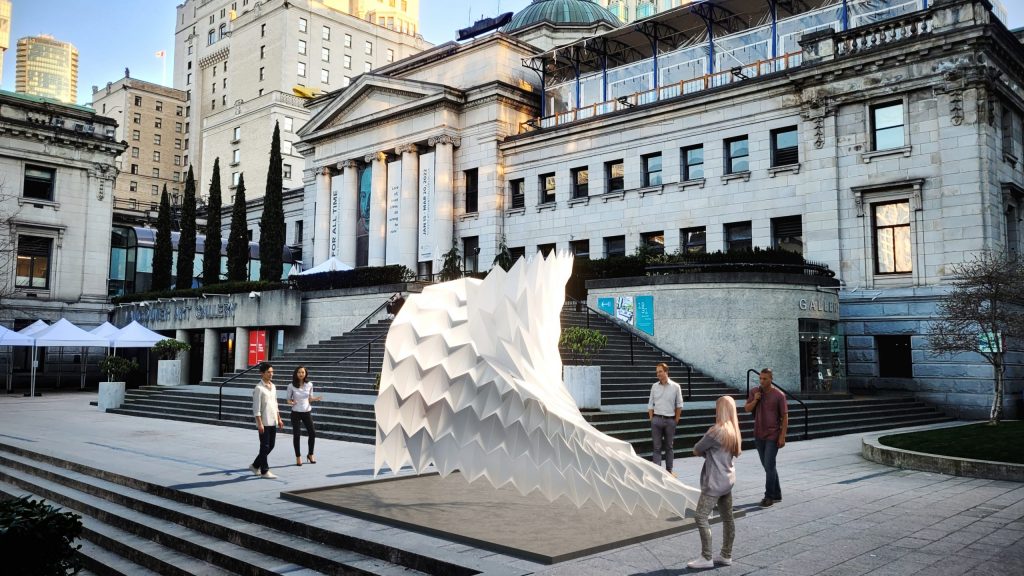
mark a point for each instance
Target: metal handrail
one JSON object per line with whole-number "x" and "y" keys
{"x": 220, "y": 390}
{"x": 788, "y": 394}
{"x": 369, "y": 350}
{"x": 632, "y": 334}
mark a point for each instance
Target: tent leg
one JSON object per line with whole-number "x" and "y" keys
{"x": 32, "y": 384}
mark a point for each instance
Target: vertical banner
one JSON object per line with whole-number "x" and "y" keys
{"x": 645, "y": 314}
{"x": 392, "y": 250}
{"x": 426, "y": 207}
{"x": 257, "y": 347}
{"x": 606, "y": 305}
{"x": 336, "y": 184}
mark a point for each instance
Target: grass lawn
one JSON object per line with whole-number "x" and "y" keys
{"x": 1001, "y": 443}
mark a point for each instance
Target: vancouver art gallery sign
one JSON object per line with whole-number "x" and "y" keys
{"x": 265, "y": 309}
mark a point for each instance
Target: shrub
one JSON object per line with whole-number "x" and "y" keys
{"x": 225, "y": 288}
{"x": 169, "y": 349}
{"x": 582, "y": 343}
{"x": 117, "y": 367}
{"x": 371, "y": 276}
{"x": 37, "y": 539}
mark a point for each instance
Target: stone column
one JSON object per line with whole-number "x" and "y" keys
{"x": 184, "y": 336}
{"x": 349, "y": 205}
{"x": 408, "y": 207}
{"x": 444, "y": 195}
{"x": 241, "y": 348}
{"x": 211, "y": 354}
{"x": 322, "y": 219}
{"x": 378, "y": 207}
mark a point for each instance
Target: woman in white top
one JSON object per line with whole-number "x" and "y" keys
{"x": 719, "y": 447}
{"x": 300, "y": 395}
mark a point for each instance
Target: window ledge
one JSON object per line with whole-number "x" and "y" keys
{"x": 867, "y": 157}
{"x": 656, "y": 190}
{"x": 745, "y": 176}
{"x": 233, "y": 164}
{"x": 582, "y": 200}
{"x": 469, "y": 216}
{"x": 695, "y": 183}
{"x": 38, "y": 203}
{"x": 793, "y": 168}
{"x": 26, "y": 292}
{"x": 514, "y": 211}
{"x": 545, "y": 206}
{"x": 897, "y": 280}
{"x": 1010, "y": 159}
{"x": 235, "y": 141}
{"x": 613, "y": 195}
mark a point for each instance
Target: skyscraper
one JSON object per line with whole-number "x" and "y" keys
{"x": 5, "y": 32}
{"x": 47, "y": 67}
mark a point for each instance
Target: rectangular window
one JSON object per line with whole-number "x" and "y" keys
{"x": 345, "y": 81}
{"x": 546, "y": 249}
{"x": 236, "y": 156}
{"x": 136, "y": 135}
{"x": 325, "y": 54}
{"x": 887, "y": 125}
{"x": 737, "y": 155}
{"x": 892, "y": 237}
{"x": 188, "y": 79}
{"x": 156, "y": 172}
{"x": 286, "y": 147}
{"x": 472, "y": 190}
{"x": 177, "y": 110}
{"x": 693, "y": 240}
{"x": 302, "y": 69}
{"x": 263, "y": 30}
{"x": 652, "y": 169}
{"x": 785, "y": 147}
{"x": 738, "y": 237}
{"x": 1007, "y": 124}
{"x": 471, "y": 253}
{"x": 390, "y": 55}
{"x": 614, "y": 246}
{"x": 156, "y": 139}
{"x": 325, "y": 76}
{"x": 263, "y": 52}
{"x": 286, "y": 172}
{"x": 614, "y": 172}
{"x": 39, "y": 182}
{"x": 517, "y": 253}
{"x": 234, "y": 178}
{"x": 133, "y": 186}
{"x": 298, "y": 232}
{"x": 174, "y": 176}
{"x": 518, "y": 191}
{"x": 580, "y": 249}
{"x": 653, "y": 242}
{"x": 156, "y": 156}
{"x": 580, "y": 182}
{"x": 136, "y": 118}
{"x": 367, "y": 67}
{"x": 788, "y": 234}
{"x": 158, "y": 123}
{"x": 289, "y": 123}
{"x": 325, "y": 33}
{"x": 177, "y": 143}
{"x": 177, "y": 160}
{"x": 895, "y": 357}
{"x": 159, "y": 106}
{"x": 348, "y": 40}
{"x": 547, "y": 188}
{"x": 138, "y": 100}
{"x": 134, "y": 169}
{"x": 33, "y": 267}
{"x": 302, "y": 25}
{"x": 263, "y": 73}
{"x": 236, "y": 134}
{"x": 302, "y": 47}
{"x": 347, "y": 61}
{"x": 154, "y": 189}
{"x": 368, "y": 47}
{"x": 135, "y": 152}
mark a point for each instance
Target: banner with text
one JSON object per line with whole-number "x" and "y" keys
{"x": 392, "y": 255}
{"x": 645, "y": 314}
{"x": 426, "y": 207}
{"x": 336, "y": 183}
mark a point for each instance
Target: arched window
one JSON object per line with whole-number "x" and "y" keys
{"x": 223, "y": 31}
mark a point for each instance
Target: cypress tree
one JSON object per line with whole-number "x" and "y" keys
{"x": 272, "y": 221}
{"x": 163, "y": 250}
{"x": 211, "y": 250}
{"x": 187, "y": 239}
{"x": 238, "y": 238}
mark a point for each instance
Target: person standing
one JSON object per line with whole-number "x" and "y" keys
{"x": 771, "y": 419}
{"x": 300, "y": 397}
{"x": 720, "y": 446}
{"x": 264, "y": 409}
{"x": 663, "y": 410}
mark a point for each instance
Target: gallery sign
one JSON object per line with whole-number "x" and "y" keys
{"x": 271, "y": 308}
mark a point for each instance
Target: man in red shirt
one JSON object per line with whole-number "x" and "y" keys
{"x": 771, "y": 419}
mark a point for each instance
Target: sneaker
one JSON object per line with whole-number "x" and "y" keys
{"x": 700, "y": 563}
{"x": 255, "y": 470}
{"x": 723, "y": 560}
{"x": 766, "y": 502}
{"x": 269, "y": 475}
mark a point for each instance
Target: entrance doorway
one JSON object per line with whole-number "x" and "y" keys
{"x": 822, "y": 356}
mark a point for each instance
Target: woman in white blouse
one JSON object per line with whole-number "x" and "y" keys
{"x": 300, "y": 395}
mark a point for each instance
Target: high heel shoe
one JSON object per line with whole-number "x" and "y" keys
{"x": 298, "y": 460}
{"x": 311, "y": 459}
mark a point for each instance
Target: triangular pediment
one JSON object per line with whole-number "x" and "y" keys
{"x": 370, "y": 98}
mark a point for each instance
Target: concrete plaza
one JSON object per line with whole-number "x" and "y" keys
{"x": 841, "y": 515}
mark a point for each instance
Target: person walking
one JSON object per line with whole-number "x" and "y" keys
{"x": 268, "y": 419}
{"x": 720, "y": 446}
{"x": 300, "y": 397}
{"x": 771, "y": 420}
{"x": 664, "y": 408}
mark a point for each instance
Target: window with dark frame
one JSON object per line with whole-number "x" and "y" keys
{"x": 546, "y": 249}
{"x": 471, "y": 254}
{"x": 472, "y": 190}
{"x": 33, "y": 265}
{"x": 614, "y": 246}
{"x": 887, "y": 126}
{"x": 580, "y": 182}
{"x": 39, "y": 182}
{"x": 738, "y": 237}
{"x": 785, "y": 146}
{"x": 693, "y": 240}
{"x": 547, "y": 188}
{"x": 891, "y": 223}
{"x": 653, "y": 242}
{"x": 614, "y": 173}
{"x": 737, "y": 155}
{"x": 652, "y": 169}
{"x": 693, "y": 162}
{"x": 517, "y": 189}
{"x": 895, "y": 356}
{"x": 517, "y": 253}
{"x": 580, "y": 249}
{"x": 1006, "y": 129}
{"x": 788, "y": 234}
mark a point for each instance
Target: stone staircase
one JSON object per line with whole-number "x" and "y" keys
{"x": 133, "y": 527}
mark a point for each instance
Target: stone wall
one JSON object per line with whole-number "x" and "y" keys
{"x": 329, "y": 313}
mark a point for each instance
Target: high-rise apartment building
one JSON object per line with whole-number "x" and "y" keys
{"x": 151, "y": 119}
{"x": 241, "y": 64}
{"x": 47, "y": 67}
{"x": 5, "y": 32}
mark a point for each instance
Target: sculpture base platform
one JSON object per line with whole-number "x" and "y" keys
{"x": 502, "y": 520}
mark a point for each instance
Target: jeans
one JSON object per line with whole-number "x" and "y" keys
{"x": 663, "y": 432}
{"x": 767, "y": 450}
{"x": 267, "y": 438}
{"x": 704, "y": 506}
{"x": 306, "y": 418}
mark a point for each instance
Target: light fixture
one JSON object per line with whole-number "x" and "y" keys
{"x": 254, "y": 295}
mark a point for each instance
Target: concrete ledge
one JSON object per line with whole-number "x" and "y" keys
{"x": 875, "y": 451}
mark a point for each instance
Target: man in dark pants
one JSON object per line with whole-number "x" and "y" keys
{"x": 663, "y": 410}
{"x": 771, "y": 419}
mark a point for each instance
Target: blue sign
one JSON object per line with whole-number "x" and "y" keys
{"x": 606, "y": 305}
{"x": 645, "y": 314}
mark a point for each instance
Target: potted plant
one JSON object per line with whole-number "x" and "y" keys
{"x": 28, "y": 527}
{"x": 168, "y": 372}
{"x": 581, "y": 379}
{"x": 112, "y": 392}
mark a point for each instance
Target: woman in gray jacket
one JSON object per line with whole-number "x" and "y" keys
{"x": 720, "y": 446}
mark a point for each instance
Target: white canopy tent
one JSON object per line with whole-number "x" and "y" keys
{"x": 11, "y": 338}
{"x": 332, "y": 264}
{"x": 135, "y": 335}
{"x": 34, "y": 327}
{"x": 62, "y": 333}
{"x": 105, "y": 330}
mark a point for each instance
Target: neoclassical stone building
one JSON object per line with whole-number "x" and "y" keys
{"x": 883, "y": 139}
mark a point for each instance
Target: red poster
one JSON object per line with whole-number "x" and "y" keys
{"x": 257, "y": 346}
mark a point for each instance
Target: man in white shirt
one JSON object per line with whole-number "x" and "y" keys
{"x": 663, "y": 410}
{"x": 268, "y": 419}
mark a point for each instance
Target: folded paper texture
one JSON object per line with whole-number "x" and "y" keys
{"x": 472, "y": 381}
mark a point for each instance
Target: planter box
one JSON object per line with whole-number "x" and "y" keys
{"x": 584, "y": 385}
{"x": 168, "y": 373}
{"x": 111, "y": 395}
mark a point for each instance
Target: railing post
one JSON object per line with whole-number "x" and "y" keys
{"x": 369, "y": 348}
{"x": 689, "y": 382}
{"x": 631, "y": 361}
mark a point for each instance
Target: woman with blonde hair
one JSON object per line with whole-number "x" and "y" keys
{"x": 720, "y": 446}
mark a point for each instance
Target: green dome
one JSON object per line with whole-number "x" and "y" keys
{"x": 561, "y": 12}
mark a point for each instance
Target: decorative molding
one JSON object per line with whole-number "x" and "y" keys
{"x": 444, "y": 139}
{"x": 815, "y": 110}
{"x": 579, "y": 201}
{"x": 648, "y": 190}
{"x": 407, "y": 148}
{"x": 774, "y": 170}
{"x": 744, "y": 175}
{"x": 215, "y": 58}
{"x": 515, "y": 211}
{"x": 867, "y": 157}
{"x": 376, "y": 156}
{"x": 695, "y": 183}
{"x": 546, "y": 206}
{"x": 348, "y": 164}
{"x": 614, "y": 195}
{"x": 915, "y": 186}
{"x": 324, "y": 171}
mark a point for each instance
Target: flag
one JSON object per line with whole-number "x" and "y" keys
{"x": 161, "y": 53}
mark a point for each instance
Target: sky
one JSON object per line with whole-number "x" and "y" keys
{"x": 114, "y": 34}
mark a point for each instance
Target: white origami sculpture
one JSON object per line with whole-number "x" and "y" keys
{"x": 472, "y": 381}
